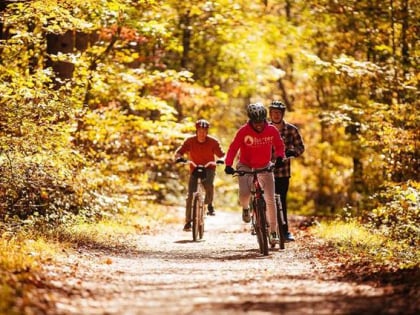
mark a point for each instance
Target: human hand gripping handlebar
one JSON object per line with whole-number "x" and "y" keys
{"x": 280, "y": 162}
{"x": 185, "y": 161}
{"x": 251, "y": 172}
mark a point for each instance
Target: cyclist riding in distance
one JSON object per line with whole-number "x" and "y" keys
{"x": 255, "y": 141}
{"x": 294, "y": 147}
{"x": 202, "y": 149}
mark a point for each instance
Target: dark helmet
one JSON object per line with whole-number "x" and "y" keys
{"x": 277, "y": 105}
{"x": 202, "y": 123}
{"x": 257, "y": 112}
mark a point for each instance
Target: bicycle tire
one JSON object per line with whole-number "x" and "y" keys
{"x": 280, "y": 223}
{"x": 261, "y": 226}
{"x": 201, "y": 221}
{"x": 195, "y": 213}
{"x": 254, "y": 220}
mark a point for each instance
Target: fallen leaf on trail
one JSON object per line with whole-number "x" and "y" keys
{"x": 108, "y": 261}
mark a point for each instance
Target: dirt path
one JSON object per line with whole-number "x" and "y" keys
{"x": 167, "y": 273}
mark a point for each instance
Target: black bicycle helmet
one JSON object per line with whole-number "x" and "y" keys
{"x": 277, "y": 105}
{"x": 257, "y": 112}
{"x": 202, "y": 123}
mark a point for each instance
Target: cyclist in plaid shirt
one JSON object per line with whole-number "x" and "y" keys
{"x": 294, "y": 147}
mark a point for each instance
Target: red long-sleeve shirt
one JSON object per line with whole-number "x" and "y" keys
{"x": 255, "y": 148}
{"x": 201, "y": 152}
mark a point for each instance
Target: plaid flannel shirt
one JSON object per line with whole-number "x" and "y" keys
{"x": 292, "y": 141}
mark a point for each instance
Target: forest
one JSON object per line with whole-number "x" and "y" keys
{"x": 97, "y": 95}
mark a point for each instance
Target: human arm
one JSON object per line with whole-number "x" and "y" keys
{"x": 217, "y": 150}
{"x": 233, "y": 149}
{"x": 231, "y": 154}
{"x": 278, "y": 144}
{"x": 295, "y": 146}
{"x": 182, "y": 149}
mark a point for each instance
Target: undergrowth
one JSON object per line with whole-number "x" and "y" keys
{"x": 388, "y": 236}
{"x": 358, "y": 244}
{"x": 21, "y": 260}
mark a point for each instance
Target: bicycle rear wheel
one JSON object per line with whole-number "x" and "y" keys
{"x": 256, "y": 228}
{"x": 195, "y": 217}
{"x": 280, "y": 223}
{"x": 261, "y": 226}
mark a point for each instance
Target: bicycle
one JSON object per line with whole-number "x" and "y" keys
{"x": 257, "y": 207}
{"x": 197, "y": 209}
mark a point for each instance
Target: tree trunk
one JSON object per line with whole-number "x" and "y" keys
{"x": 186, "y": 39}
{"x": 63, "y": 43}
{"x": 405, "y": 50}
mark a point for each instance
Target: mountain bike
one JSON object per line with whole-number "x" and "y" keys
{"x": 257, "y": 206}
{"x": 197, "y": 210}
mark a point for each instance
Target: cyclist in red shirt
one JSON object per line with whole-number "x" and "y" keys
{"x": 255, "y": 141}
{"x": 202, "y": 149}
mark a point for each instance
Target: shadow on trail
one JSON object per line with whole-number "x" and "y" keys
{"x": 186, "y": 256}
{"x": 131, "y": 249}
{"x": 133, "y": 252}
{"x": 188, "y": 241}
{"x": 360, "y": 305}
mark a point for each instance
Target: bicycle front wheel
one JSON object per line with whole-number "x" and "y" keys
{"x": 195, "y": 217}
{"x": 261, "y": 226}
{"x": 201, "y": 222}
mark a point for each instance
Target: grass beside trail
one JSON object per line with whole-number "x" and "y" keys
{"x": 360, "y": 248}
{"x": 21, "y": 259}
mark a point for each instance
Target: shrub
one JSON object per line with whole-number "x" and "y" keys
{"x": 398, "y": 214}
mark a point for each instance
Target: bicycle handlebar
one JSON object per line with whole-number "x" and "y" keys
{"x": 254, "y": 171}
{"x": 210, "y": 163}
{"x": 288, "y": 158}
